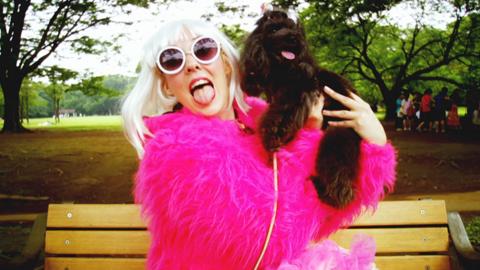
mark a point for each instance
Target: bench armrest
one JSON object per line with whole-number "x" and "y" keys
{"x": 460, "y": 237}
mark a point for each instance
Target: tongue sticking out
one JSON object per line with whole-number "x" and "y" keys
{"x": 204, "y": 95}
{"x": 288, "y": 55}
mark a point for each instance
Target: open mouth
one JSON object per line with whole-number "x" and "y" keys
{"x": 202, "y": 91}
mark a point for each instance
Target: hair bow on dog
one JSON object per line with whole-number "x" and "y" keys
{"x": 267, "y": 6}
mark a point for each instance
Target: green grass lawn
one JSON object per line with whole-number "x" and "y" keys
{"x": 112, "y": 123}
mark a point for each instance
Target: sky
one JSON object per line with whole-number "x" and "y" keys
{"x": 146, "y": 21}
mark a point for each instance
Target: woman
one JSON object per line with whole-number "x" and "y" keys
{"x": 205, "y": 183}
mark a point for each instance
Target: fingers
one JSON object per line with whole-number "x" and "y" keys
{"x": 343, "y": 114}
{"x": 345, "y": 124}
{"x": 360, "y": 101}
{"x": 346, "y": 101}
{"x": 356, "y": 97}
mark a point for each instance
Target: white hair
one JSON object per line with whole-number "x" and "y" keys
{"x": 147, "y": 97}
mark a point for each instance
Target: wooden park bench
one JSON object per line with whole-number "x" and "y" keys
{"x": 408, "y": 234}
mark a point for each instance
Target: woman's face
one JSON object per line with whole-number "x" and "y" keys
{"x": 201, "y": 88}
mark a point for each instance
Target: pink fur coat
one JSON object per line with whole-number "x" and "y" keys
{"x": 206, "y": 189}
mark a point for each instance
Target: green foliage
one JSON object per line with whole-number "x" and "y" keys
{"x": 92, "y": 86}
{"x": 89, "y": 45}
{"x": 354, "y": 38}
{"x": 56, "y": 74}
{"x": 343, "y": 9}
{"x": 41, "y": 97}
{"x": 473, "y": 231}
{"x": 91, "y": 105}
{"x": 119, "y": 83}
{"x": 235, "y": 33}
{"x": 223, "y": 8}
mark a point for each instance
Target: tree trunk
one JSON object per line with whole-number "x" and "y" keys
{"x": 390, "y": 105}
{"x": 56, "y": 108}
{"x": 27, "y": 109}
{"x": 11, "y": 93}
{"x": 24, "y": 107}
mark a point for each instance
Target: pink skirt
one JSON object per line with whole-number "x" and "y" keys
{"x": 327, "y": 255}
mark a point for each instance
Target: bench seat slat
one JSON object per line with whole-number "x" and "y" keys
{"x": 97, "y": 242}
{"x": 399, "y": 239}
{"x": 136, "y": 242}
{"x": 53, "y": 263}
{"x": 94, "y": 216}
{"x": 389, "y": 213}
{"x": 432, "y": 262}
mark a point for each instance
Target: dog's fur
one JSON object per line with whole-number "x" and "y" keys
{"x": 292, "y": 87}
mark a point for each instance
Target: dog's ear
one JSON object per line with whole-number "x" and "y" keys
{"x": 255, "y": 65}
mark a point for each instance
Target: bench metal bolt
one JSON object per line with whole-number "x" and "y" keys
{"x": 69, "y": 215}
{"x": 67, "y": 242}
{"x": 422, "y": 212}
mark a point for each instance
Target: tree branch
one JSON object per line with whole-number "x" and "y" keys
{"x": 32, "y": 64}
{"x": 438, "y": 78}
{"x": 34, "y": 51}
{"x": 17, "y": 22}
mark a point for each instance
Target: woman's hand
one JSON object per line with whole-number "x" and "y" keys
{"x": 360, "y": 117}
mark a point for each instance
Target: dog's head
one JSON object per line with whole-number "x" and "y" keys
{"x": 275, "y": 42}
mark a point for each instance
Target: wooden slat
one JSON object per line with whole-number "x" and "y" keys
{"x": 405, "y": 213}
{"x": 136, "y": 242}
{"x": 430, "y": 262}
{"x": 399, "y": 239}
{"x": 95, "y": 263}
{"x": 389, "y": 213}
{"x": 94, "y": 216}
{"x": 97, "y": 242}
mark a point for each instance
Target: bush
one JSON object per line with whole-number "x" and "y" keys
{"x": 473, "y": 231}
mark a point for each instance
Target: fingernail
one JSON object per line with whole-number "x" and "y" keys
{"x": 328, "y": 89}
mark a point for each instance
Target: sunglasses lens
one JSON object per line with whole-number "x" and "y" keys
{"x": 205, "y": 49}
{"x": 171, "y": 59}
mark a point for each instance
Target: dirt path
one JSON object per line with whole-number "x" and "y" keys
{"x": 98, "y": 167}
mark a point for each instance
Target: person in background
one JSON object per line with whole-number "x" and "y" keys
{"x": 453, "y": 120}
{"x": 399, "y": 113}
{"x": 426, "y": 111}
{"x": 408, "y": 111}
{"x": 441, "y": 101}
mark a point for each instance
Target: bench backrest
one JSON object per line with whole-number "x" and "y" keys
{"x": 408, "y": 234}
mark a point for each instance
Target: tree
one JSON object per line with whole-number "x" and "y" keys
{"x": 58, "y": 22}
{"x": 27, "y": 96}
{"x": 58, "y": 78}
{"x": 363, "y": 43}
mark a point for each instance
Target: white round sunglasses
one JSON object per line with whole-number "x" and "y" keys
{"x": 171, "y": 59}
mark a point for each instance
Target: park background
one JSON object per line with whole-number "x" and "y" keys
{"x": 66, "y": 65}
